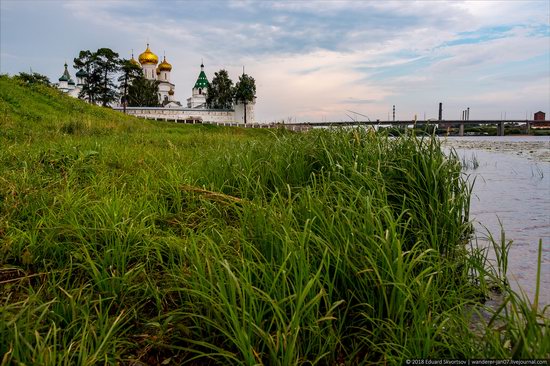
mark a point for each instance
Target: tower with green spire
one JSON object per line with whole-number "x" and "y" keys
{"x": 200, "y": 89}
{"x": 65, "y": 77}
{"x": 67, "y": 85}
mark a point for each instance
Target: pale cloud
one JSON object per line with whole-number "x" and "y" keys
{"x": 329, "y": 88}
{"x": 469, "y": 57}
{"x": 313, "y": 59}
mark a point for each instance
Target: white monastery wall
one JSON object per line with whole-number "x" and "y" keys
{"x": 183, "y": 114}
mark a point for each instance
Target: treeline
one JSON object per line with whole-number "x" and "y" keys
{"x": 103, "y": 69}
{"x": 109, "y": 79}
{"x": 222, "y": 94}
{"x": 135, "y": 90}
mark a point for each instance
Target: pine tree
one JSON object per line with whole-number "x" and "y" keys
{"x": 130, "y": 72}
{"x": 100, "y": 68}
{"x": 86, "y": 61}
{"x": 107, "y": 64}
{"x": 143, "y": 92}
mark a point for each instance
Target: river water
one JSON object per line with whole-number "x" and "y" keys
{"x": 512, "y": 188}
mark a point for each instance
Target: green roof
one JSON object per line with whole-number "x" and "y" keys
{"x": 202, "y": 81}
{"x": 65, "y": 76}
{"x": 80, "y": 73}
{"x": 71, "y": 82}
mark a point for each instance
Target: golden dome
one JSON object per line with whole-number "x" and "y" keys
{"x": 133, "y": 60}
{"x": 148, "y": 57}
{"x": 158, "y": 71}
{"x": 171, "y": 91}
{"x": 165, "y": 66}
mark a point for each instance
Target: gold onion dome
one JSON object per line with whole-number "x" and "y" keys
{"x": 133, "y": 61}
{"x": 148, "y": 57}
{"x": 158, "y": 71}
{"x": 165, "y": 66}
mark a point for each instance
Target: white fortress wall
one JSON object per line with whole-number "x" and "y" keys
{"x": 204, "y": 115}
{"x": 239, "y": 113}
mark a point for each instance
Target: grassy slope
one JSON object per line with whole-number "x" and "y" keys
{"x": 124, "y": 240}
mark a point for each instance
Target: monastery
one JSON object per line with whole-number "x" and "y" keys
{"x": 171, "y": 109}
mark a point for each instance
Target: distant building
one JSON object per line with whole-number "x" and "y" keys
{"x": 540, "y": 121}
{"x": 67, "y": 85}
{"x": 171, "y": 109}
{"x": 198, "y": 94}
{"x": 148, "y": 62}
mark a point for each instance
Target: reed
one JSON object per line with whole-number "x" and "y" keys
{"x": 133, "y": 242}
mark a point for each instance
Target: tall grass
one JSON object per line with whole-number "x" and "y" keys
{"x": 154, "y": 243}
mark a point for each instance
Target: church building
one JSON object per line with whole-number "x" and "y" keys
{"x": 148, "y": 62}
{"x": 196, "y": 109}
{"x": 198, "y": 95}
{"x": 67, "y": 85}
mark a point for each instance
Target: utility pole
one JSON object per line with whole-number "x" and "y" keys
{"x": 394, "y": 112}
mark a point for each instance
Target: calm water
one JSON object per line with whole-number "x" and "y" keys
{"x": 512, "y": 184}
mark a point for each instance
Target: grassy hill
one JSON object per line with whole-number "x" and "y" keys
{"x": 124, "y": 241}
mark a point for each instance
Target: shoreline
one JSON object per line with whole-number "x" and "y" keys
{"x": 537, "y": 148}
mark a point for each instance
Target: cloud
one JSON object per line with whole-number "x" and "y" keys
{"x": 310, "y": 59}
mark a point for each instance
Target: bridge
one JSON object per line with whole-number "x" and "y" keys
{"x": 405, "y": 123}
{"x": 226, "y": 118}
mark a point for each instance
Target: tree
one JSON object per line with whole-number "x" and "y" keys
{"x": 86, "y": 61}
{"x": 100, "y": 68}
{"x": 33, "y": 78}
{"x": 220, "y": 91}
{"x": 245, "y": 91}
{"x": 107, "y": 64}
{"x": 130, "y": 72}
{"x": 143, "y": 92}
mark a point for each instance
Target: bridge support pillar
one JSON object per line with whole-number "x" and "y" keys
{"x": 501, "y": 129}
{"x": 461, "y": 130}
{"x": 528, "y": 127}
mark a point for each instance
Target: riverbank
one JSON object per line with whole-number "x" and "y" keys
{"x": 135, "y": 242}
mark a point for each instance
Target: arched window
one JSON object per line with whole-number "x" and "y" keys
{"x": 200, "y": 91}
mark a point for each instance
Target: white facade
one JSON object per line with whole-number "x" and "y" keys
{"x": 196, "y": 100}
{"x": 179, "y": 114}
{"x": 175, "y": 113}
{"x": 165, "y": 86}
{"x": 149, "y": 71}
{"x": 240, "y": 112}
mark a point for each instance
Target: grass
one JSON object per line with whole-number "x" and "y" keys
{"x": 134, "y": 242}
{"x": 471, "y": 163}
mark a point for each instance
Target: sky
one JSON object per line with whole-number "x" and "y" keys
{"x": 312, "y": 60}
